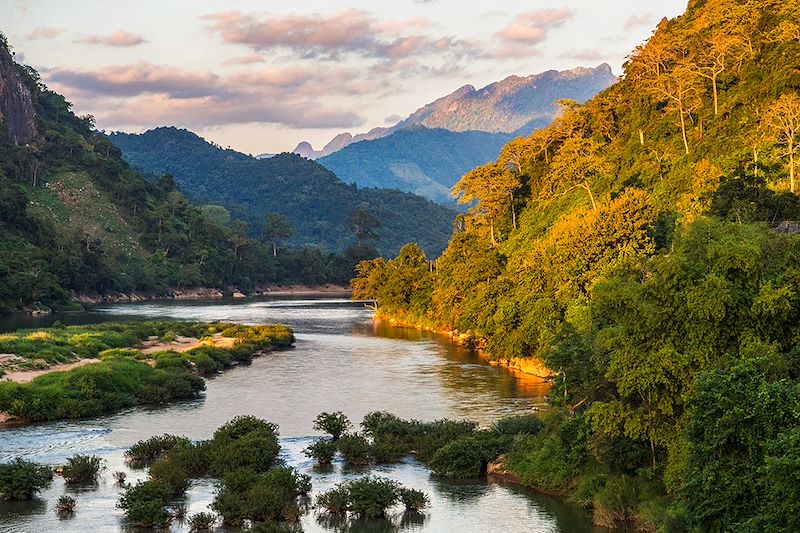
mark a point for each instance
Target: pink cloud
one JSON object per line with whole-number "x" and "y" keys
{"x": 248, "y": 59}
{"x": 119, "y": 39}
{"x": 532, "y": 27}
{"x": 45, "y": 32}
{"x": 348, "y": 31}
{"x": 588, "y": 54}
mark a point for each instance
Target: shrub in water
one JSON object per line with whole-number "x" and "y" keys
{"x": 65, "y": 505}
{"x": 431, "y": 436}
{"x": 335, "y": 501}
{"x": 119, "y": 477}
{"x": 322, "y": 451}
{"x": 334, "y": 424}
{"x": 179, "y": 511}
{"x": 82, "y": 469}
{"x": 145, "y": 504}
{"x": 202, "y": 522}
{"x": 413, "y": 499}
{"x": 467, "y": 457}
{"x": 245, "y": 495}
{"x": 355, "y": 449}
{"x": 21, "y": 480}
{"x": 170, "y": 473}
{"x": 244, "y": 442}
{"x": 152, "y": 448}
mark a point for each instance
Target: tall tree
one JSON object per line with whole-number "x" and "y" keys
{"x": 493, "y": 186}
{"x": 363, "y": 224}
{"x": 783, "y": 121}
{"x": 576, "y": 165}
{"x": 276, "y": 227}
{"x": 713, "y": 59}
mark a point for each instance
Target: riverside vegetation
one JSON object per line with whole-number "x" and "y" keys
{"x": 639, "y": 247}
{"x": 254, "y": 489}
{"x": 124, "y": 375}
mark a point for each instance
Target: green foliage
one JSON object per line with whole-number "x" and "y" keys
{"x": 246, "y": 495}
{"x": 145, "y": 504}
{"x": 334, "y": 424}
{"x": 414, "y": 500}
{"x": 355, "y": 449}
{"x": 367, "y": 497}
{"x": 322, "y": 451}
{"x": 65, "y": 505}
{"x": 170, "y": 472}
{"x": 201, "y": 522}
{"x": 96, "y": 389}
{"x": 149, "y": 450}
{"x": 21, "y": 480}
{"x": 82, "y": 469}
{"x": 280, "y": 184}
{"x": 468, "y": 457}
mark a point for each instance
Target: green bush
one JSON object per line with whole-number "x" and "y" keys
{"x": 335, "y": 424}
{"x": 355, "y": 449}
{"x": 119, "y": 352}
{"x": 168, "y": 471}
{"x": 244, "y": 442}
{"x": 145, "y": 504}
{"x": 202, "y": 522}
{"x": 152, "y": 448}
{"x": 21, "y": 480}
{"x": 203, "y": 362}
{"x": 246, "y": 495}
{"x": 615, "y": 504}
{"x": 431, "y": 436}
{"x": 367, "y": 497}
{"x": 322, "y": 451}
{"x": 173, "y": 362}
{"x": 65, "y": 505}
{"x": 519, "y": 425}
{"x": 82, "y": 469}
{"x": 335, "y": 501}
{"x": 414, "y": 500}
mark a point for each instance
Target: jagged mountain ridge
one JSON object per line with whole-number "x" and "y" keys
{"x": 513, "y": 105}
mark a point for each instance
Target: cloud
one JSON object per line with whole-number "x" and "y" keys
{"x": 119, "y": 39}
{"x": 351, "y": 31}
{"x": 635, "y": 21}
{"x": 393, "y": 119}
{"x": 45, "y": 32}
{"x": 143, "y": 94}
{"x": 135, "y": 79}
{"x": 248, "y": 59}
{"x": 532, "y": 27}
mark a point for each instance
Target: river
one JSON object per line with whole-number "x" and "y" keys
{"x": 342, "y": 361}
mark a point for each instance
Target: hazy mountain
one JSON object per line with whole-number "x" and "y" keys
{"x": 425, "y": 161}
{"x": 513, "y": 105}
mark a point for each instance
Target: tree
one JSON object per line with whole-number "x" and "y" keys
{"x": 276, "y": 227}
{"x": 576, "y": 164}
{"x": 783, "y": 120}
{"x": 363, "y": 225}
{"x": 679, "y": 88}
{"x": 493, "y": 186}
{"x": 712, "y": 60}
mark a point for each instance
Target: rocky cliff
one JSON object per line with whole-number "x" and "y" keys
{"x": 16, "y": 107}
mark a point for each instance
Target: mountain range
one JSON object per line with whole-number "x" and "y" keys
{"x": 515, "y": 105}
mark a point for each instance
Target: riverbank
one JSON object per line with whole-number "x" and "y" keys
{"x": 209, "y": 293}
{"x": 530, "y": 366}
{"x": 81, "y": 371}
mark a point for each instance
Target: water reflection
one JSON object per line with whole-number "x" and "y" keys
{"x": 342, "y": 361}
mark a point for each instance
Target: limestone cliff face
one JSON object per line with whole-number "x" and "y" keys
{"x": 16, "y": 107}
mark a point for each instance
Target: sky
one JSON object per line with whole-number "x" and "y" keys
{"x": 261, "y": 76}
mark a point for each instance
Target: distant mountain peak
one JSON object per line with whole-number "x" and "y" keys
{"x": 514, "y": 104}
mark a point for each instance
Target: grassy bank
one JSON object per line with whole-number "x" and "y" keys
{"x": 137, "y": 363}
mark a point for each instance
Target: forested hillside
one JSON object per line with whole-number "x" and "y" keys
{"x": 426, "y": 162}
{"x": 75, "y": 218}
{"x": 639, "y": 246}
{"x": 314, "y": 200}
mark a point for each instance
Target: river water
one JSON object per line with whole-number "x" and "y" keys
{"x": 342, "y": 361}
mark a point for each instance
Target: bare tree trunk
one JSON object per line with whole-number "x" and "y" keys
{"x": 591, "y": 196}
{"x": 683, "y": 130}
{"x": 716, "y": 98}
{"x": 274, "y": 249}
{"x": 791, "y": 166}
{"x": 513, "y": 213}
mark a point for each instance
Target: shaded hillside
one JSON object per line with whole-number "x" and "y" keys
{"x": 514, "y": 105}
{"x": 634, "y": 246}
{"x": 427, "y": 162}
{"x": 76, "y": 219}
{"x": 316, "y": 202}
